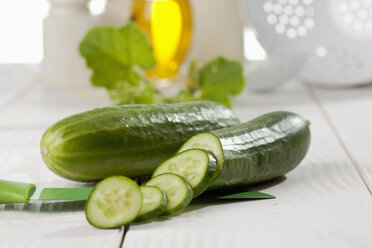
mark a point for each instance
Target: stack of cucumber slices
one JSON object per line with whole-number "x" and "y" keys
{"x": 117, "y": 200}
{"x": 259, "y": 150}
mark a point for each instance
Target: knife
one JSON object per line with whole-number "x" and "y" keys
{"x": 18, "y": 192}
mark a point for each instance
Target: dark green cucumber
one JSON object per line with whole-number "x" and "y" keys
{"x": 197, "y": 166}
{"x": 129, "y": 140}
{"x": 259, "y": 150}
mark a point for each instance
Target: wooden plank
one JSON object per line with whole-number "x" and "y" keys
{"x": 322, "y": 203}
{"x": 42, "y": 224}
{"x": 40, "y": 108}
{"x": 349, "y": 111}
{"x": 24, "y": 116}
{"x": 12, "y": 82}
{"x": 52, "y": 225}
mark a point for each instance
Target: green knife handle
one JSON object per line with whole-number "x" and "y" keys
{"x": 15, "y": 192}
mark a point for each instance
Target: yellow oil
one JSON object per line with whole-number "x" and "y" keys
{"x": 168, "y": 24}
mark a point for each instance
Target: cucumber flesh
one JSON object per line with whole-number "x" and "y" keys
{"x": 178, "y": 190}
{"x": 154, "y": 203}
{"x": 197, "y": 166}
{"x": 114, "y": 201}
{"x": 208, "y": 142}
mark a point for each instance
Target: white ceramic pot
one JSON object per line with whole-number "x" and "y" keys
{"x": 117, "y": 13}
{"x": 218, "y": 30}
{"x": 64, "y": 28}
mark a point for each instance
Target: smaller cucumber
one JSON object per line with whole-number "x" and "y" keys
{"x": 114, "y": 201}
{"x": 154, "y": 203}
{"x": 178, "y": 190}
{"x": 197, "y": 166}
{"x": 259, "y": 150}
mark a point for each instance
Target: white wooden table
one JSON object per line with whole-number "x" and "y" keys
{"x": 325, "y": 202}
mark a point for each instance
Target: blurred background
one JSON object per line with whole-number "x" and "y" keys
{"x": 21, "y": 25}
{"x": 26, "y": 22}
{"x": 326, "y": 43}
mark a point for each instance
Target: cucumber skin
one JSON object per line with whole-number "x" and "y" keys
{"x": 266, "y": 147}
{"x": 182, "y": 205}
{"x": 129, "y": 140}
{"x": 156, "y": 212}
{"x": 212, "y": 169}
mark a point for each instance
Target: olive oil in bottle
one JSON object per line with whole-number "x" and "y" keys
{"x": 168, "y": 24}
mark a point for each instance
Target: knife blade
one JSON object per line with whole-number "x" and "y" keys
{"x": 17, "y": 192}
{"x": 61, "y": 194}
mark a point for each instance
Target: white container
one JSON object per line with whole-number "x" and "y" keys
{"x": 117, "y": 13}
{"x": 333, "y": 37}
{"x": 218, "y": 30}
{"x": 64, "y": 27}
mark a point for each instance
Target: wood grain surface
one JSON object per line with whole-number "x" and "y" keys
{"x": 325, "y": 202}
{"x": 350, "y": 113}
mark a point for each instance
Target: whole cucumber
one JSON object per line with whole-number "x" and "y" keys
{"x": 129, "y": 140}
{"x": 264, "y": 148}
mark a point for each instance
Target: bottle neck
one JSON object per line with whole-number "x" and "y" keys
{"x": 117, "y": 3}
{"x": 68, "y": 6}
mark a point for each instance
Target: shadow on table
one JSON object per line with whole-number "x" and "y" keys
{"x": 206, "y": 199}
{"x": 45, "y": 206}
{"x": 210, "y": 198}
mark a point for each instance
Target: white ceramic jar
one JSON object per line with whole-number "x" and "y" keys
{"x": 64, "y": 28}
{"x": 218, "y": 30}
{"x": 116, "y": 13}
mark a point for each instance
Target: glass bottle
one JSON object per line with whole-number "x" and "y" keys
{"x": 168, "y": 24}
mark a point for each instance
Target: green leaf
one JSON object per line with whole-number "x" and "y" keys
{"x": 113, "y": 54}
{"x": 247, "y": 195}
{"x": 237, "y": 195}
{"x": 138, "y": 48}
{"x": 192, "y": 78}
{"x": 117, "y": 56}
{"x": 221, "y": 79}
{"x": 133, "y": 94}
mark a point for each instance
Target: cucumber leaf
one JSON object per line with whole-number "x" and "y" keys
{"x": 240, "y": 195}
{"x": 117, "y": 57}
{"x": 221, "y": 79}
{"x": 133, "y": 94}
{"x": 113, "y": 53}
{"x": 247, "y": 195}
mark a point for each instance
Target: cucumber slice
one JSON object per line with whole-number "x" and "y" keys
{"x": 154, "y": 203}
{"x": 197, "y": 166}
{"x": 114, "y": 201}
{"x": 178, "y": 190}
{"x": 210, "y": 143}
